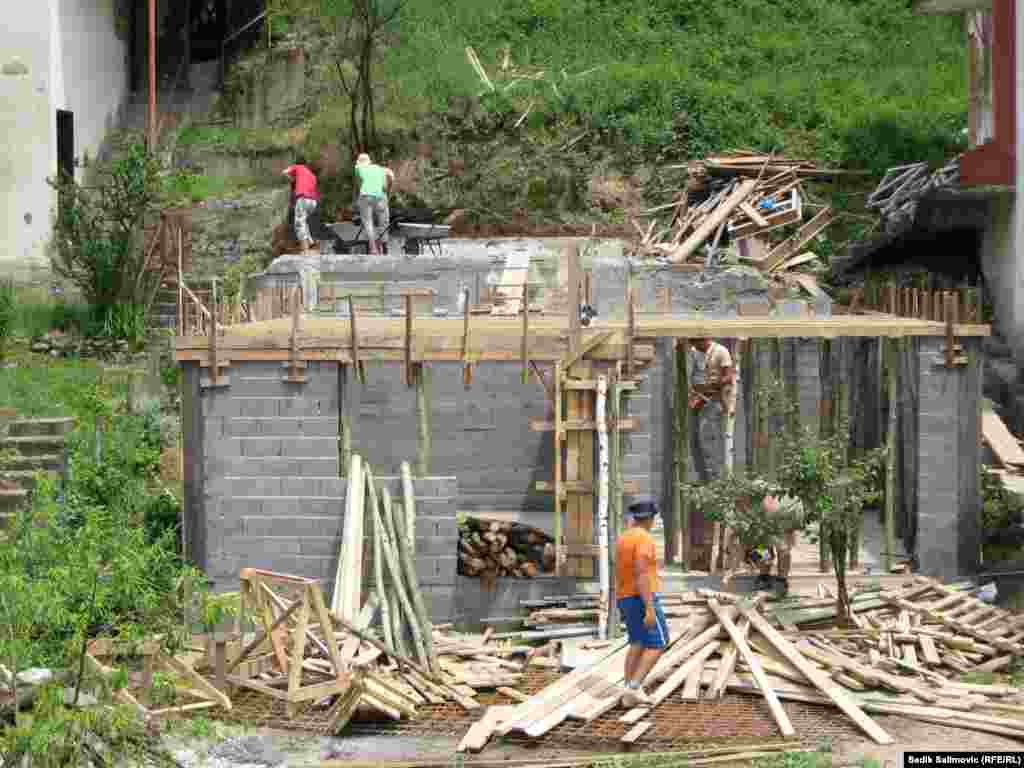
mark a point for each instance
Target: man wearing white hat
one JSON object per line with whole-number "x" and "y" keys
{"x": 372, "y": 185}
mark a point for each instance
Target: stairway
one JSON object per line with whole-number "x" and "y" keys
{"x": 27, "y": 447}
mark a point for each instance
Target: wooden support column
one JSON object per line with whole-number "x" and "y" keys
{"x": 525, "y": 349}
{"x": 356, "y": 362}
{"x": 344, "y": 417}
{"x": 630, "y": 325}
{"x": 889, "y": 510}
{"x": 681, "y": 450}
{"x": 422, "y": 374}
{"x": 467, "y": 368}
{"x": 410, "y": 374}
{"x": 951, "y": 320}
{"x": 574, "y": 301}
{"x": 615, "y": 495}
{"x": 557, "y": 522}
{"x": 828, "y": 427}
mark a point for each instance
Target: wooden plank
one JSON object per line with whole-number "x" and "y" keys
{"x": 1004, "y": 445}
{"x": 691, "y": 687}
{"x": 580, "y": 425}
{"x": 636, "y": 732}
{"x": 512, "y": 693}
{"x": 549, "y": 699}
{"x": 584, "y": 347}
{"x": 789, "y": 247}
{"x": 585, "y": 532}
{"x": 751, "y": 659}
{"x": 557, "y": 404}
{"x": 710, "y": 225}
{"x": 817, "y": 678}
{"x": 728, "y": 663}
{"x": 754, "y": 216}
{"x": 931, "y": 654}
{"x": 796, "y": 261}
{"x": 568, "y": 488}
{"x": 573, "y": 412}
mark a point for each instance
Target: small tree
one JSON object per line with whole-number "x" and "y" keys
{"x": 816, "y": 468}
{"x": 360, "y": 25}
{"x": 98, "y": 233}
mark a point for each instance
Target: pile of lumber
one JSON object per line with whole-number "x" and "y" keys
{"x": 380, "y": 537}
{"x": 898, "y": 659}
{"x": 744, "y": 196}
{"x": 491, "y": 548}
{"x": 586, "y": 608}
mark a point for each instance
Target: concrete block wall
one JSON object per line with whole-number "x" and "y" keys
{"x": 948, "y": 451}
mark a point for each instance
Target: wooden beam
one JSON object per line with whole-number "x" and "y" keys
{"x": 754, "y": 215}
{"x": 467, "y": 368}
{"x": 628, "y": 424}
{"x": 789, "y": 247}
{"x": 752, "y": 661}
{"x": 630, "y": 325}
{"x": 295, "y": 365}
{"x": 354, "y": 342}
{"x": 817, "y": 678}
{"x": 410, "y": 375}
{"x": 581, "y": 349}
{"x": 713, "y": 221}
{"x": 526, "y": 334}
{"x": 557, "y": 439}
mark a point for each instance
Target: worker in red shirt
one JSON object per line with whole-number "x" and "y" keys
{"x": 304, "y": 200}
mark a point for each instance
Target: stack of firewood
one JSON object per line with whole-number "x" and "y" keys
{"x": 490, "y": 548}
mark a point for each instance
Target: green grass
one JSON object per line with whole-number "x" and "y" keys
{"x": 864, "y": 85}
{"x": 34, "y": 313}
{"x": 184, "y": 187}
{"x": 54, "y": 387}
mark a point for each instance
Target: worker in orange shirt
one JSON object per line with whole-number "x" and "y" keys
{"x": 636, "y": 565}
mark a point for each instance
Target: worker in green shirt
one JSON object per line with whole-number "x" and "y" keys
{"x": 371, "y": 200}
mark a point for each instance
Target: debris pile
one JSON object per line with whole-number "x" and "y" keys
{"x": 902, "y": 187}
{"x": 898, "y": 659}
{"x": 739, "y": 196}
{"x": 492, "y": 548}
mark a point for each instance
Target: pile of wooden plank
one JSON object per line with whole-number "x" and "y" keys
{"x": 752, "y": 195}
{"x": 492, "y": 548}
{"x": 898, "y": 658}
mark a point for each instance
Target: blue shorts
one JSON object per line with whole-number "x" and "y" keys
{"x": 652, "y": 638}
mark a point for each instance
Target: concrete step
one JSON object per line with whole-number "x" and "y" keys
{"x": 54, "y": 427}
{"x": 48, "y": 461}
{"x": 35, "y": 445}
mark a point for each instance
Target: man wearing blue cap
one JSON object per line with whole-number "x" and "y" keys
{"x": 636, "y": 584}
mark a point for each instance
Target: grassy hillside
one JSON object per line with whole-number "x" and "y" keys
{"x": 865, "y": 83}
{"x": 616, "y": 92}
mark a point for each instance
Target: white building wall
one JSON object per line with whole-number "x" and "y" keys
{"x": 54, "y": 54}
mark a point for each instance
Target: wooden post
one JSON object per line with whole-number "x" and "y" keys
{"x": 630, "y": 324}
{"x": 615, "y": 497}
{"x": 557, "y": 522}
{"x": 220, "y": 661}
{"x": 951, "y": 319}
{"x": 345, "y": 416}
{"x": 681, "y": 451}
{"x": 421, "y": 372}
{"x": 526, "y": 333}
{"x": 602, "y": 507}
{"x": 889, "y": 512}
{"x": 356, "y": 362}
{"x": 574, "y": 301}
{"x": 827, "y": 428}
{"x": 410, "y": 376}
{"x": 467, "y": 368}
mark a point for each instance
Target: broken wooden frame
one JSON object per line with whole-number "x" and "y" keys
{"x": 202, "y": 694}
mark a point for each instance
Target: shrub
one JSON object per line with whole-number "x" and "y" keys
{"x": 98, "y": 233}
